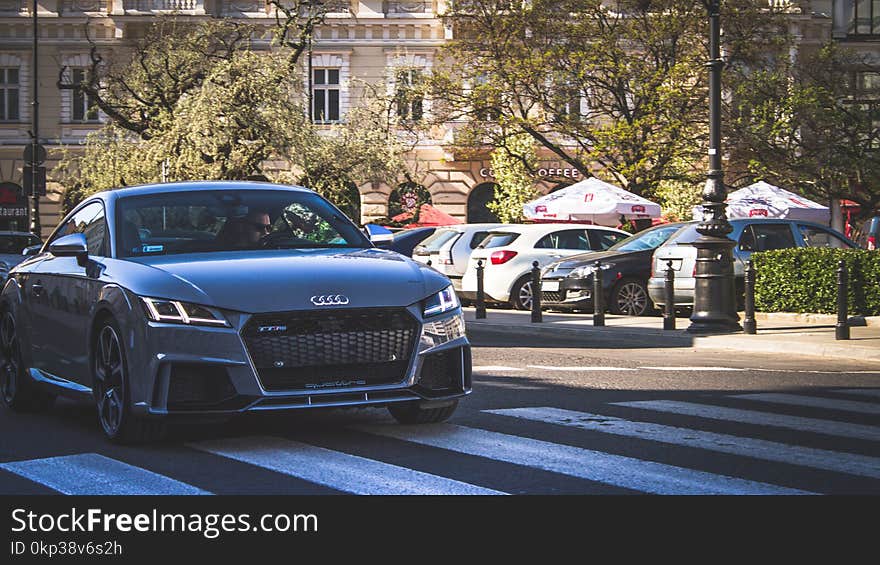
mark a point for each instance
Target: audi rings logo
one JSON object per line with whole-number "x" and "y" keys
{"x": 330, "y": 300}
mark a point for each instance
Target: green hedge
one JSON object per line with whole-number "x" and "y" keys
{"x": 805, "y": 280}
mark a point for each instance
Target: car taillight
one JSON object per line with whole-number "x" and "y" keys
{"x": 446, "y": 260}
{"x": 872, "y": 243}
{"x": 501, "y": 257}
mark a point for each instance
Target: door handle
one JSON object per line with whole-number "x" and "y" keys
{"x": 37, "y": 289}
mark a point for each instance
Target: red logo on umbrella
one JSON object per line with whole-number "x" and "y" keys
{"x": 757, "y": 212}
{"x": 638, "y": 209}
{"x": 588, "y": 197}
{"x": 541, "y": 208}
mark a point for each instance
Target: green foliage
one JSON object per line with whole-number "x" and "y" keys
{"x": 511, "y": 166}
{"x": 617, "y": 86}
{"x": 802, "y": 124}
{"x": 204, "y": 106}
{"x": 805, "y": 280}
{"x": 678, "y": 198}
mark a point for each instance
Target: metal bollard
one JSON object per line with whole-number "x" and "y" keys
{"x": 536, "y": 293}
{"x": 598, "y": 296}
{"x": 481, "y": 298}
{"x": 841, "y": 331}
{"x": 669, "y": 297}
{"x": 750, "y": 326}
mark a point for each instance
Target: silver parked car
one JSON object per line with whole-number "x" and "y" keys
{"x": 750, "y": 235}
{"x": 217, "y": 298}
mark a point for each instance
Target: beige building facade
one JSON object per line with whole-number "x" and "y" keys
{"x": 365, "y": 40}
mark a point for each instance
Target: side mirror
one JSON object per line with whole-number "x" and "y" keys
{"x": 379, "y": 235}
{"x": 32, "y": 250}
{"x": 73, "y": 245}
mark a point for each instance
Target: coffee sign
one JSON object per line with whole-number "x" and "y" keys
{"x": 488, "y": 173}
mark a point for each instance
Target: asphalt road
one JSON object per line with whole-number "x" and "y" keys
{"x": 544, "y": 418}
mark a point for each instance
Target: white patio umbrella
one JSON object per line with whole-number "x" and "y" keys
{"x": 763, "y": 200}
{"x": 590, "y": 200}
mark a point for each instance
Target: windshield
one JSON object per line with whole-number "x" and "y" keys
{"x": 223, "y": 220}
{"x": 15, "y": 244}
{"x": 648, "y": 239}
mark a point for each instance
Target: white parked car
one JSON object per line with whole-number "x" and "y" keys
{"x": 508, "y": 253}
{"x": 450, "y": 247}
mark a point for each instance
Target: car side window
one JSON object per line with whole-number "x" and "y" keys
{"x": 603, "y": 239}
{"x": 765, "y": 237}
{"x": 90, "y": 222}
{"x": 817, "y": 237}
{"x": 566, "y": 239}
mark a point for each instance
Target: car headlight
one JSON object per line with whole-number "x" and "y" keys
{"x": 176, "y": 312}
{"x": 587, "y": 270}
{"x": 443, "y": 301}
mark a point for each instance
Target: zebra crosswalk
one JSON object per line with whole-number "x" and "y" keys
{"x": 703, "y": 445}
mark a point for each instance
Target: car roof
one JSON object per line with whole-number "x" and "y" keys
{"x": 527, "y": 229}
{"x": 163, "y": 188}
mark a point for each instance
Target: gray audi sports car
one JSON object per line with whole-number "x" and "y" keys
{"x": 216, "y": 298}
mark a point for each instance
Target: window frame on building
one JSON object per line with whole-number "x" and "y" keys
{"x": 409, "y": 104}
{"x": 327, "y": 89}
{"x": 83, "y": 109}
{"x": 10, "y": 112}
{"x": 855, "y": 26}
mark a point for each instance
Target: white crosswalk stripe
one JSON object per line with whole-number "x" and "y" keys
{"x": 827, "y": 427}
{"x": 334, "y": 469}
{"x": 812, "y": 402}
{"x": 756, "y": 448}
{"x": 873, "y": 392}
{"x": 617, "y": 470}
{"x": 91, "y": 473}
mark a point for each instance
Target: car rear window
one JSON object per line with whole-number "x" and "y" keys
{"x": 478, "y": 238}
{"x": 437, "y": 239}
{"x": 498, "y": 240}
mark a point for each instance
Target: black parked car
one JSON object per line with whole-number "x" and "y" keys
{"x": 12, "y": 245}
{"x": 568, "y": 284}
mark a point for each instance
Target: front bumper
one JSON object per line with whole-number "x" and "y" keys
{"x": 184, "y": 370}
{"x": 569, "y": 293}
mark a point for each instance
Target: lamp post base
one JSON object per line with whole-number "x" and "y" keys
{"x": 714, "y": 288}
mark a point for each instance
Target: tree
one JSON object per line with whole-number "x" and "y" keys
{"x": 511, "y": 166}
{"x": 809, "y": 125}
{"x": 617, "y": 86}
{"x": 200, "y": 101}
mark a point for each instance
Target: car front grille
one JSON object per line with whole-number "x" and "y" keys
{"x": 551, "y": 296}
{"x": 330, "y": 349}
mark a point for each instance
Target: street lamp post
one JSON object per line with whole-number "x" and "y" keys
{"x": 714, "y": 290}
{"x": 35, "y": 226}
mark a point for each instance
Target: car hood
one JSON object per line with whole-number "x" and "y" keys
{"x": 575, "y": 261}
{"x": 281, "y": 280}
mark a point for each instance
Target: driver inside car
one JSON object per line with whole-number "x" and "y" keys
{"x": 245, "y": 232}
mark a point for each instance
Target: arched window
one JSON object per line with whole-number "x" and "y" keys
{"x": 477, "y": 209}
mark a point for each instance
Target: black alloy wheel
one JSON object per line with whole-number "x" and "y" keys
{"x": 111, "y": 391}
{"x": 630, "y": 298}
{"x": 16, "y": 391}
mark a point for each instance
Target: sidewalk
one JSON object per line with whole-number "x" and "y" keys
{"x": 790, "y": 334}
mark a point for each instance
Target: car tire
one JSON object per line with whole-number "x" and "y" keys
{"x": 629, "y": 297}
{"x": 520, "y": 295}
{"x": 112, "y": 392}
{"x": 415, "y": 413}
{"x": 17, "y": 391}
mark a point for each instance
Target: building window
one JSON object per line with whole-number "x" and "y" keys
{"x": 9, "y": 90}
{"x": 325, "y": 95}
{"x": 84, "y": 107}
{"x": 487, "y": 99}
{"x": 865, "y": 18}
{"x": 565, "y": 100}
{"x": 407, "y": 99}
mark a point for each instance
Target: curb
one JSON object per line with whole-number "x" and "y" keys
{"x": 809, "y": 318}
{"x": 760, "y": 343}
